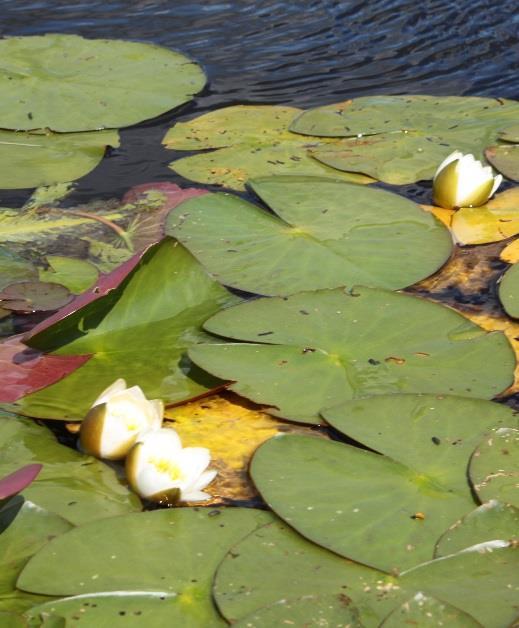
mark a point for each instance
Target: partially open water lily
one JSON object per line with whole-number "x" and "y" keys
{"x": 462, "y": 181}
{"x": 116, "y": 419}
{"x": 158, "y": 468}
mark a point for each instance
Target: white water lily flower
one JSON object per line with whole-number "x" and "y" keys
{"x": 158, "y": 468}
{"x": 116, "y": 419}
{"x": 462, "y": 181}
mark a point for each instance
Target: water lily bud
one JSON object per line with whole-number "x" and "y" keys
{"x": 159, "y": 469}
{"x": 116, "y": 419}
{"x": 462, "y": 181}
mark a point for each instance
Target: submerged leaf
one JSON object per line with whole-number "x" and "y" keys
{"x": 68, "y": 83}
{"x": 251, "y": 141}
{"x": 351, "y": 345}
{"x": 352, "y": 234}
{"x": 75, "y": 274}
{"x": 425, "y": 611}
{"x": 34, "y": 296}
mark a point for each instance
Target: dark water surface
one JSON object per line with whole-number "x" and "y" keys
{"x": 304, "y": 53}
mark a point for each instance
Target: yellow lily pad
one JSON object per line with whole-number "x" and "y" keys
{"x": 496, "y": 220}
{"x": 443, "y": 215}
{"x": 231, "y": 428}
{"x": 510, "y": 254}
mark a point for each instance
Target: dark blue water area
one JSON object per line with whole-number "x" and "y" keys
{"x": 304, "y": 53}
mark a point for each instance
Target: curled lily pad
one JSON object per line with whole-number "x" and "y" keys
{"x": 251, "y": 141}
{"x": 401, "y": 139}
{"x": 68, "y": 83}
{"x": 34, "y": 296}
{"x": 370, "y": 508}
{"x": 175, "y": 551}
{"x": 504, "y": 158}
{"x": 16, "y": 481}
{"x": 509, "y": 291}
{"x": 32, "y": 159}
{"x": 510, "y": 134}
{"x": 494, "y": 466}
{"x": 138, "y": 328}
{"x": 352, "y": 234}
{"x": 422, "y": 610}
{"x": 490, "y": 521}
{"x": 350, "y": 345}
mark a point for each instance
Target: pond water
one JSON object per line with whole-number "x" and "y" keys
{"x": 304, "y": 53}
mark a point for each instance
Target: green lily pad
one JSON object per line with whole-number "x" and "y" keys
{"x": 490, "y": 521}
{"x": 351, "y": 345}
{"x": 505, "y": 159}
{"x": 68, "y": 83}
{"x": 481, "y": 581}
{"x": 408, "y": 136}
{"x": 118, "y": 610}
{"x": 75, "y": 274}
{"x": 175, "y": 551}
{"x": 509, "y": 291}
{"x": 370, "y": 508}
{"x": 24, "y": 528}
{"x": 352, "y": 234}
{"x": 34, "y": 296}
{"x": 251, "y": 141}
{"x": 494, "y": 466}
{"x": 311, "y": 611}
{"x": 422, "y": 610}
{"x": 510, "y": 134}
{"x": 12, "y": 620}
{"x": 440, "y": 431}
{"x": 297, "y": 568}
{"x": 28, "y": 160}
{"x": 76, "y": 487}
{"x": 138, "y": 331}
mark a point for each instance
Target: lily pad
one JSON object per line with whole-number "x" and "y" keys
{"x": 509, "y": 291}
{"x": 175, "y": 551}
{"x": 351, "y": 345}
{"x": 76, "y": 487}
{"x": 510, "y": 134}
{"x": 29, "y": 160}
{"x": 119, "y": 609}
{"x": 504, "y": 158}
{"x": 139, "y": 331}
{"x": 408, "y": 136}
{"x": 352, "y": 234}
{"x": 370, "y": 508}
{"x": 494, "y": 466}
{"x": 481, "y": 581}
{"x": 75, "y": 274}
{"x": 311, "y": 611}
{"x": 493, "y": 222}
{"x": 423, "y": 611}
{"x": 68, "y": 83}
{"x": 251, "y": 141}
{"x": 14, "y": 268}
{"x": 34, "y": 296}
{"x": 12, "y": 620}
{"x": 297, "y": 568}
{"x": 24, "y": 528}
{"x": 440, "y": 431}
{"x": 490, "y": 521}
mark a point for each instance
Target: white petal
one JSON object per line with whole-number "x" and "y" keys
{"x": 471, "y": 176}
{"x": 136, "y": 392}
{"x": 204, "y": 480}
{"x": 164, "y": 442}
{"x": 157, "y": 407}
{"x": 118, "y": 386}
{"x": 148, "y": 480}
{"x": 455, "y": 155}
{"x": 497, "y": 182}
{"x": 194, "y": 496}
{"x": 193, "y": 461}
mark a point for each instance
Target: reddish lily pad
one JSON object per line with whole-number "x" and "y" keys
{"x": 15, "y": 482}
{"x": 34, "y": 296}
